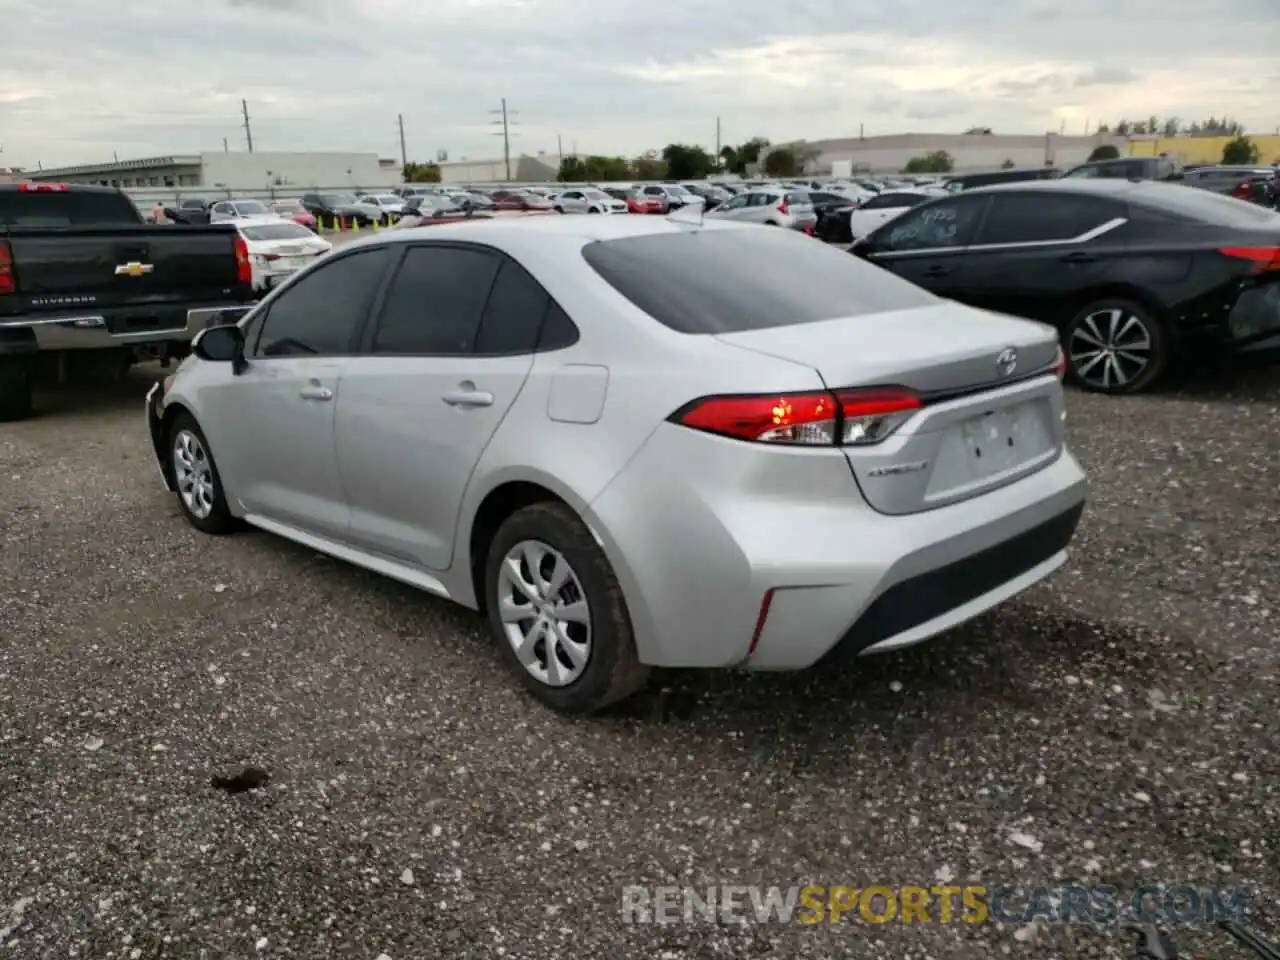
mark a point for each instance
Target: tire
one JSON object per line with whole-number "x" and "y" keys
{"x": 214, "y": 517}
{"x": 559, "y": 210}
{"x": 772, "y": 223}
{"x": 608, "y": 670}
{"x": 15, "y": 389}
{"x": 593, "y": 209}
{"x": 1140, "y": 354}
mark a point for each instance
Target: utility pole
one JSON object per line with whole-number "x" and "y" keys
{"x": 248, "y": 130}
{"x": 506, "y": 123}
{"x": 717, "y": 139}
{"x": 225, "y": 147}
{"x": 404, "y": 154}
{"x": 560, "y": 149}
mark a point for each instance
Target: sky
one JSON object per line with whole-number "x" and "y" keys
{"x": 82, "y": 81}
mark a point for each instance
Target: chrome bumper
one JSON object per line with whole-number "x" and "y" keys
{"x": 89, "y": 331}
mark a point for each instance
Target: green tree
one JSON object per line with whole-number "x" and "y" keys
{"x": 572, "y": 170}
{"x": 782, "y": 162}
{"x": 1241, "y": 150}
{"x": 593, "y": 169}
{"x": 1106, "y": 151}
{"x": 737, "y": 159}
{"x": 685, "y": 162}
{"x": 421, "y": 172}
{"x": 978, "y": 131}
{"x": 1008, "y": 164}
{"x": 649, "y": 168}
{"x": 939, "y": 161}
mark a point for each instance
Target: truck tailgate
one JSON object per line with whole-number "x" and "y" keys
{"x": 116, "y": 265}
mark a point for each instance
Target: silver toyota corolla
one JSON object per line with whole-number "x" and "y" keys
{"x": 636, "y": 441}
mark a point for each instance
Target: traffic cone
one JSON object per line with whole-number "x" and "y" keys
{"x": 375, "y": 226}
{"x": 355, "y": 225}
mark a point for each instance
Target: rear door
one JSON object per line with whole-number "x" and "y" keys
{"x": 927, "y": 244}
{"x": 1035, "y": 250}
{"x": 441, "y": 365}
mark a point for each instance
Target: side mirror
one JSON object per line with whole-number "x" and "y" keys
{"x": 223, "y": 344}
{"x": 862, "y": 248}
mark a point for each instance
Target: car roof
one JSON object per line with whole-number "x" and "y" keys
{"x": 515, "y": 234}
{"x": 263, "y": 222}
{"x": 1103, "y": 187}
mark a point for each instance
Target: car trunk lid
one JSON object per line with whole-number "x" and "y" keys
{"x": 992, "y": 405}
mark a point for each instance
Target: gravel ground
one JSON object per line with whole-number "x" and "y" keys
{"x": 1116, "y": 725}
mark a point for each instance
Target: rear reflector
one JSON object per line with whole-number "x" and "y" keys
{"x": 1060, "y": 364}
{"x": 8, "y": 282}
{"x": 812, "y": 419}
{"x": 1263, "y": 258}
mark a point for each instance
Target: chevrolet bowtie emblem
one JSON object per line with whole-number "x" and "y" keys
{"x": 134, "y": 269}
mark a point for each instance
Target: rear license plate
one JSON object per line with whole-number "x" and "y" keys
{"x": 1002, "y": 439}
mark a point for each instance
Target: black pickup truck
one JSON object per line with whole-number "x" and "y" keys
{"x": 86, "y": 287}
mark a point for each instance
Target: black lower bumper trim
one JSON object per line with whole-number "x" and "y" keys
{"x": 920, "y": 599}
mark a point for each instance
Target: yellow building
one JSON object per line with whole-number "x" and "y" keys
{"x": 1201, "y": 149}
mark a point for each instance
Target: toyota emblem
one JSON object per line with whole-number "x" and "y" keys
{"x": 1007, "y": 362}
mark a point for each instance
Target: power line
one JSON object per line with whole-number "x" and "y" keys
{"x": 506, "y": 123}
{"x": 248, "y": 130}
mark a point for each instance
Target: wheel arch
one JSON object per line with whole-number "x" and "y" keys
{"x": 160, "y": 437}
{"x": 502, "y": 499}
{"x": 1109, "y": 291}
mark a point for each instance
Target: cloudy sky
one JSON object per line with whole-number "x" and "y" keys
{"x": 81, "y": 80}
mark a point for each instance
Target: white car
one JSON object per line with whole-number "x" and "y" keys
{"x": 278, "y": 249}
{"x": 873, "y": 213}
{"x": 228, "y": 211}
{"x": 392, "y": 207}
{"x": 587, "y": 200}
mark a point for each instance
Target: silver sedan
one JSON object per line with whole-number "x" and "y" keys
{"x": 636, "y": 442}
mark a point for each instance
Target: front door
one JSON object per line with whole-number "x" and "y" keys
{"x": 443, "y": 363}
{"x": 279, "y": 413}
{"x": 927, "y": 245}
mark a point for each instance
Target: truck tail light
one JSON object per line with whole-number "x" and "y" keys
{"x": 244, "y": 266}
{"x": 810, "y": 419}
{"x": 42, "y": 188}
{"x": 8, "y": 282}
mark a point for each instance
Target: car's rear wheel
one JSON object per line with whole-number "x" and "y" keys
{"x": 1116, "y": 346}
{"x": 195, "y": 475}
{"x": 15, "y": 389}
{"x": 557, "y": 612}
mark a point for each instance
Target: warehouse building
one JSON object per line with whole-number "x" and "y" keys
{"x": 223, "y": 173}
{"x": 969, "y": 152}
{"x": 543, "y": 168}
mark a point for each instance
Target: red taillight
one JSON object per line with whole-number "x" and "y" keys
{"x": 816, "y": 419}
{"x": 1060, "y": 364}
{"x": 808, "y": 229}
{"x": 783, "y": 208}
{"x": 42, "y": 188}
{"x": 244, "y": 268}
{"x": 761, "y": 617}
{"x": 8, "y": 282}
{"x": 1262, "y": 258}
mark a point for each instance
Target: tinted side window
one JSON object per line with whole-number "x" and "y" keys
{"x": 513, "y": 315}
{"x": 434, "y": 304}
{"x": 950, "y": 223}
{"x": 322, "y": 313}
{"x": 1024, "y": 218}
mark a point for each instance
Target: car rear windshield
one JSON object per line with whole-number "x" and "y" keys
{"x": 276, "y": 231}
{"x": 66, "y": 209}
{"x": 725, "y": 281}
{"x": 1204, "y": 206}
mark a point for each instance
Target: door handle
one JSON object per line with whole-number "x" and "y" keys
{"x": 315, "y": 392}
{"x": 468, "y": 396}
{"x": 1079, "y": 256}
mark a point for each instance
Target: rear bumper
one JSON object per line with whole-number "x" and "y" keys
{"x": 91, "y": 329}
{"x": 697, "y": 558}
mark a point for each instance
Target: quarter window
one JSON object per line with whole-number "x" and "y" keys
{"x": 514, "y": 313}
{"x": 322, "y": 313}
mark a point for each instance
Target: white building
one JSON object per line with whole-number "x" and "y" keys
{"x": 224, "y": 173}
{"x": 543, "y": 168}
{"x": 970, "y": 152}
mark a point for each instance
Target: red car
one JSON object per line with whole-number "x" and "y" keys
{"x": 519, "y": 200}
{"x": 638, "y": 202}
{"x": 292, "y": 210}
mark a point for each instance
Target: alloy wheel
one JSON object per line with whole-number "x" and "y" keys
{"x": 194, "y": 474}
{"x": 544, "y": 613}
{"x": 1110, "y": 348}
